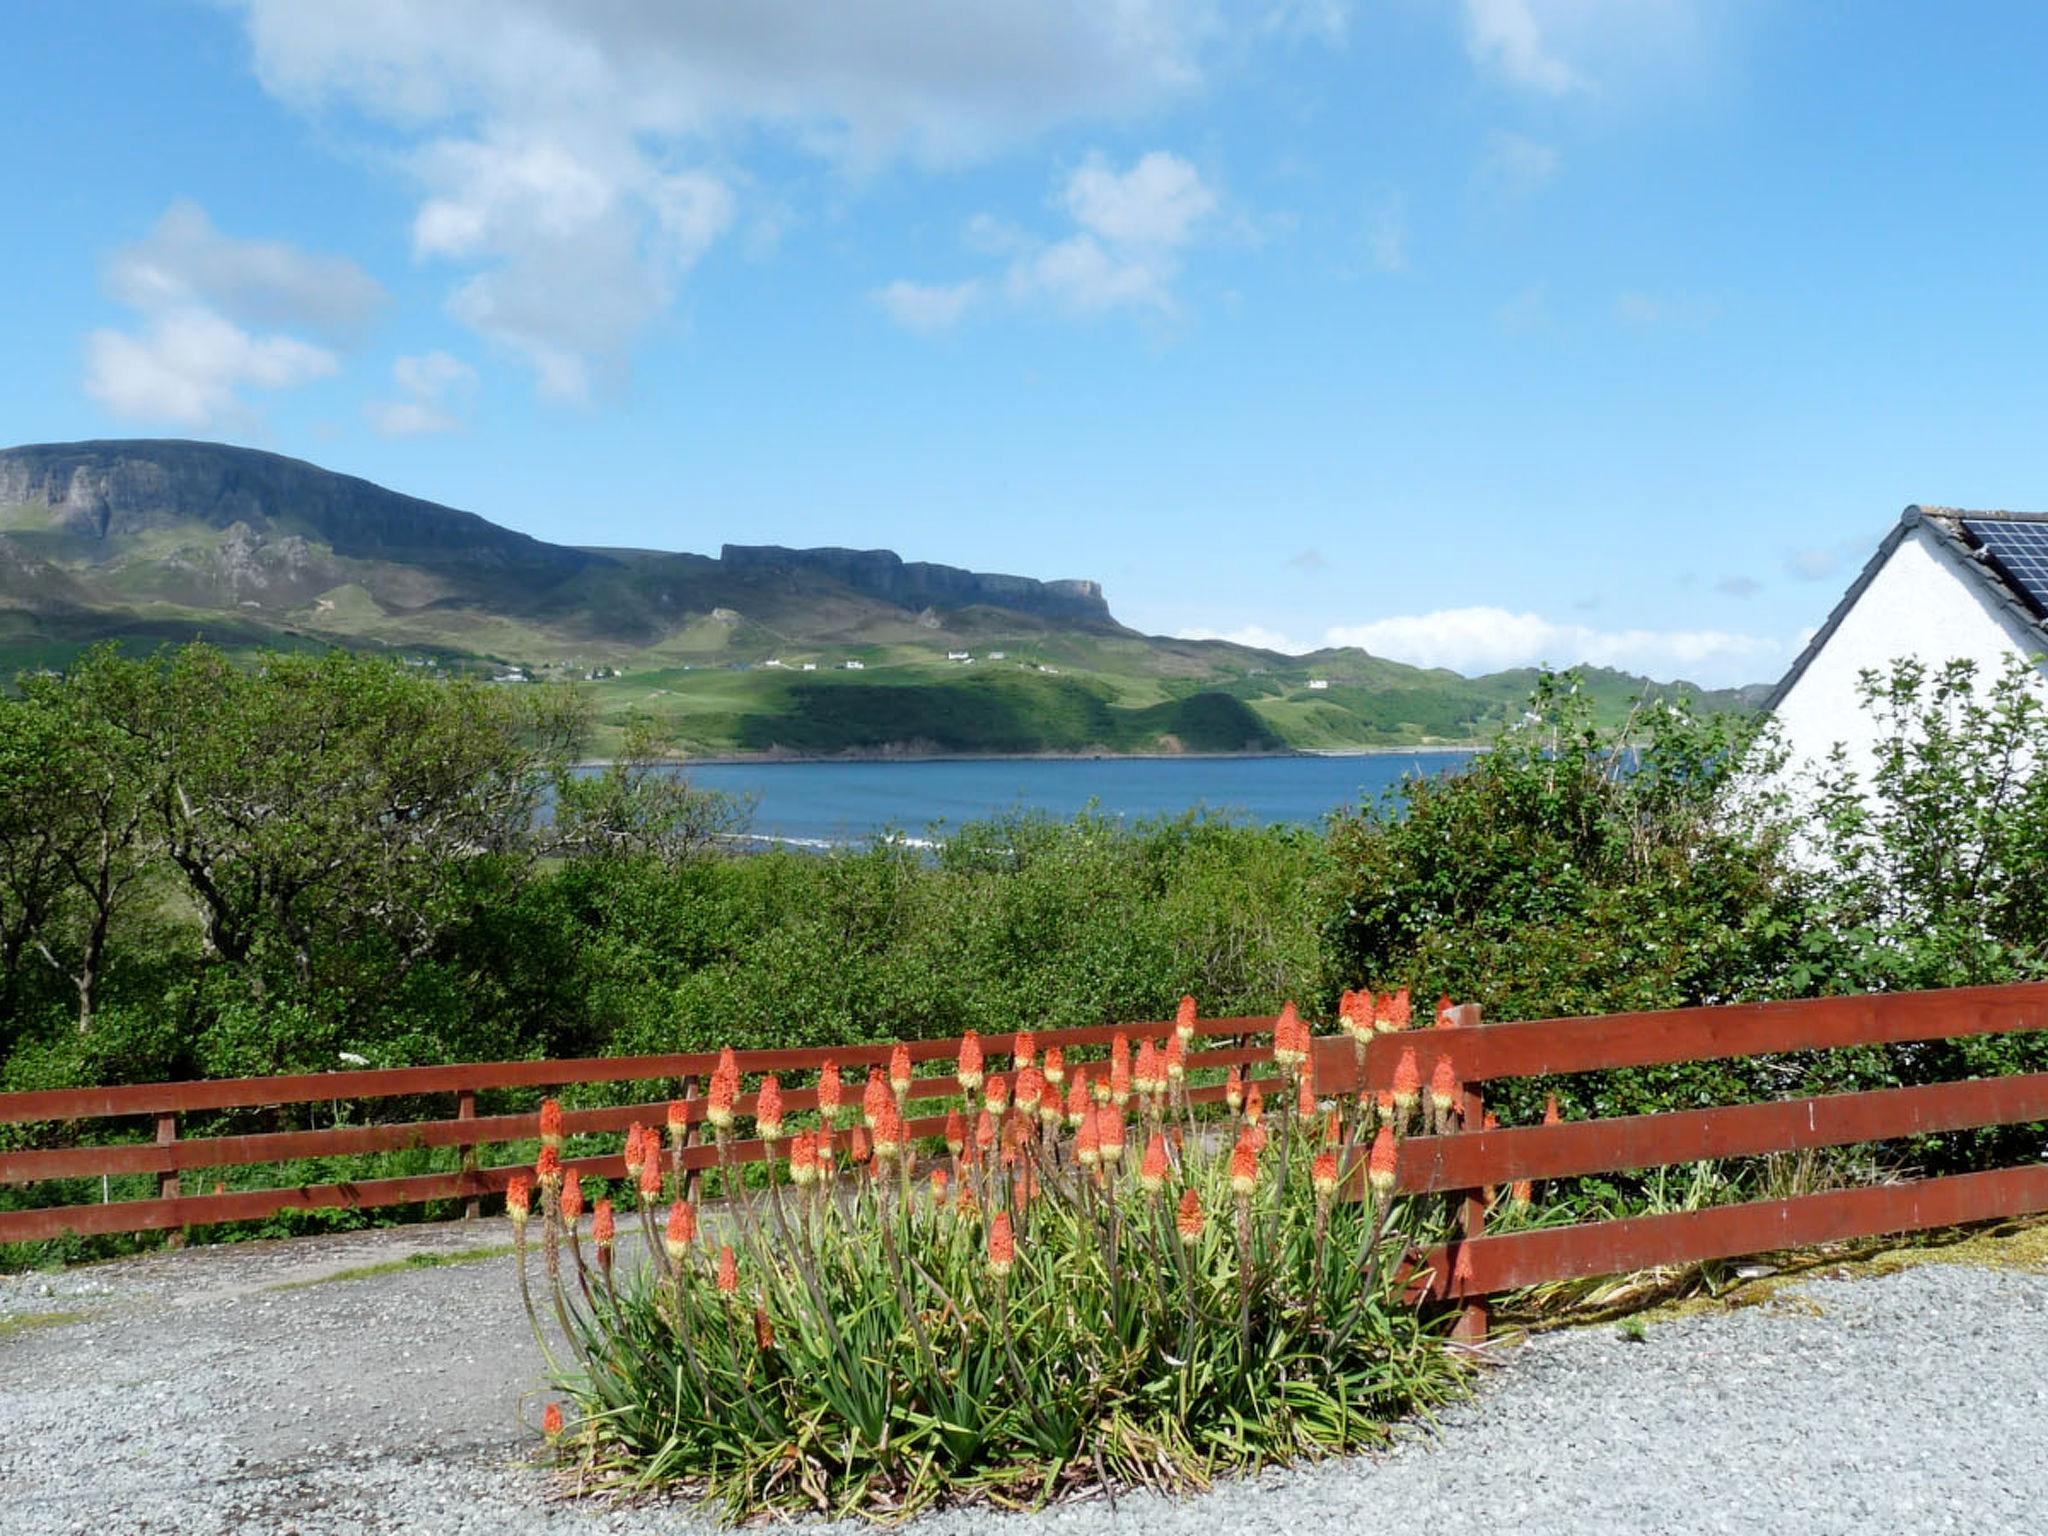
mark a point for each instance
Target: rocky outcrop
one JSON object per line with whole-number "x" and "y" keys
{"x": 918, "y": 585}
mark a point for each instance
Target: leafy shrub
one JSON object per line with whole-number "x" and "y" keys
{"x": 1038, "y": 1306}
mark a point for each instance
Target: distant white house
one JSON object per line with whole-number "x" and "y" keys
{"x": 856, "y": 666}
{"x": 997, "y": 655}
{"x": 959, "y": 655}
{"x": 772, "y": 661}
{"x": 1319, "y": 683}
{"x": 1944, "y": 584}
{"x": 810, "y": 666}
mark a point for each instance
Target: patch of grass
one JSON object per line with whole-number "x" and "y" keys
{"x": 399, "y": 1266}
{"x": 29, "y": 1322}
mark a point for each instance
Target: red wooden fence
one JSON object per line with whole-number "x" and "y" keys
{"x": 1473, "y": 1265}
{"x": 169, "y": 1156}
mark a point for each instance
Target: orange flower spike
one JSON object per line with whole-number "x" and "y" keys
{"x": 725, "y": 1088}
{"x": 1244, "y": 1165}
{"x": 1190, "y": 1219}
{"x": 939, "y": 1181}
{"x": 728, "y": 1063}
{"x": 1152, "y": 1171}
{"x": 1017, "y": 1132}
{"x": 678, "y": 1122}
{"x": 1184, "y": 1020}
{"x": 602, "y": 1229}
{"x": 900, "y": 1073}
{"x": 984, "y": 1132}
{"x": 1088, "y": 1145}
{"x": 1055, "y": 1065}
{"x": 861, "y": 1150}
{"x": 1120, "y": 1069}
{"x": 768, "y": 1109}
{"x": 888, "y": 1133}
{"x": 551, "y": 1421}
{"x": 1403, "y": 1012}
{"x": 1146, "y": 1069}
{"x": 1380, "y": 1168}
{"x": 1286, "y": 1046}
{"x": 1100, "y": 1086}
{"x": 1323, "y": 1174}
{"x": 636, "y": 1154}
{"x": 1333, "y": 1130}
{"x": 1176, "y": 1059}
{"x": 1444, "y": 1088}
{"x": 1407, "y": 1083}
{"x": 1254, "y": 1104}
{"x": 1109, "y": 1131}
{"x": 1491, "y": 1122}
{"x": 519, "y": 1201}
{"x": 1384, "y": 1099}
{"x": 728, "y": 1270}
{"x": 1002, "y": 1245}
{"x": 1305, "y": 1098}
{"x": 1521, "y": 1192}
{"x": 969, "y": 1072}
{"x": 1446, "y": 1015}
{"x": 572, "y": 1196}
{"x": 1550, "y": 1112}
{"x": 873, "y": 1097}
{"x": 1233, "y": 1090}
{"x": 956, "y": 1132}
{"x": 824, "y": 1152}
{"x": 550, "y": 1123}
{"x": 803, "y": 1159}
{"x": 1024, "y": 1049}
{"x": 650, "y": 1178}
{"x": 682, "y": 1229}
{"x": 996, "y": 1093}
{"x": 831, "y": 1090}
{"x": 1030, "y": 1090}
{"x": 1077, "y": 1100}
{"x": 547, "y": 1168}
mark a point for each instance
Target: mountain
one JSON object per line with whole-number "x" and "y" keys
{"x": 761, "y": 649}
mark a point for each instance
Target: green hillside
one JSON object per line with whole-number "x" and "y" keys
{"x": 757, "y": 650}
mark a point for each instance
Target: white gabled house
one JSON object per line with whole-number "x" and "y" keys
{"x": 1944, "y": 584}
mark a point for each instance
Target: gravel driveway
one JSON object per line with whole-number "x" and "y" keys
{"x": 215, "y": 1390}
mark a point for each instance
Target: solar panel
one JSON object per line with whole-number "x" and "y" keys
{"x": 2020, "y": 553}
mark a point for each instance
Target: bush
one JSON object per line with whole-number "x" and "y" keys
{"x": 1027, "y": 1311}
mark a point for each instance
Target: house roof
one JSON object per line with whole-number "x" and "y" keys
{"x": 1962, "y": 551}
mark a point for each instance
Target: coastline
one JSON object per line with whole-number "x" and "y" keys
{"x": 778, "y": 759}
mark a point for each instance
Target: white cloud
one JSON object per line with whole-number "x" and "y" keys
{"x": 1484, "y": 639}
{"x": 431, "y": 385}
{"x": 1513, "y": 167}
{"x": 927, "y": 308}
{"x": 574, "y": 160}
{"x": 1255, "y": 635}
{"x": 1082, "y": 277}
{"x": 199, "y": 295}
{"x": 1506, "y": 36}
{"x": 1154, "y": 205}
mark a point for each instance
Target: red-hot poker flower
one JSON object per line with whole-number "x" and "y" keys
{"x": 1109, "y": 1132}
{"x": 1407, "y": 1083}
{"x": 1017, "y": 1134}
{"x": 1287, "y": 1049}
{"x": 803, "y": 1159}
{"x": 888, "y": 1133}
{"x": 1355, "y": 1020}
{"x": 1399, "y": 1011}
{"x": 965, "y": 1202}
{"x": 956, "y": 1132}
{"x": 968, "y": 1073}
{"x": 551, "y": 1421}
{"x": 1100, "y": 1087}
{"x": 550, "y": 1123}
{"x": 1323, "y": 1173}
{"x": 1120, "y": 1069}
{"x": 1190, "y": 1219}
{"x": 1176, "y": 1059}
{"x": 728, "y": 1270}
{"x": 1184, "y": 1019}
{"x": 1446, "y": 1012}
{"x": 861, "y": 1150}
{"x": 900, "y": 1072}
{"x": 768, "y": 1108}
{"x": 1384, "y": 1102}
{"x": 1444, "y": 1088}
{"x": 1522, "y": 1191}
{"x": 547, "y": 1168}
{"x": 1152, "y": 1171}
{"x": 1077, "y": 1100}
{"x": 873, "y": 1097}
{"x": 1550, "y": 1113}
{"x": 1088, "y": 1144}
{"x": 1233, "y": 1090}
{"x": 1305, "y": 1096}
{"x": 764, "y": 1331}
{"x": 519, "y": 1200}
{"x": 831, "y": 1091}
{"x": 1254, "y": 1105}
{"x": 650, "y": 1176}
{"x": 824, "y": 1152}
{"x": 1244, "y": 1164}
{"x": 725, "y": 1088}
{"x": 1055, "y": 1065}
{"x": 636, "y": 1156}
{"x": 1024, "y": 1049}
{"x": 995, "y": 1093}
{"x": 678, "y": 1121}
{"x": 1379, "y": 1171}
{"x": 572, "y": 1196}
{"x": 1002, "y": 1245}
{"x": 1333, "y": 1130}
{"x": 1150, "y": 1072}
{"x": 601, "y": 1226}
{"x": 984, "y": 1131}
{"x": 939, "y": 1181}
{"x": 1030, "y": 1090}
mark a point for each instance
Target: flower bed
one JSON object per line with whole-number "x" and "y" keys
{"x": 1086, "y": 1284}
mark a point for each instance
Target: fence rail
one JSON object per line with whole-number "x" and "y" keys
{"x": 1470, "y": 1160}
{"x": 168, "y": 1155}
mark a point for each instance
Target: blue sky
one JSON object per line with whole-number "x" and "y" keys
{"x": 1478, "y": 332}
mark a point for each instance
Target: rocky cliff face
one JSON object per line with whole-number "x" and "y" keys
{"x": 917, "y": 584}
{"x": 105, "y": 490}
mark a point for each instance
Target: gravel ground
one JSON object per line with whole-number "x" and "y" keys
{"x": 216, "y": 1391}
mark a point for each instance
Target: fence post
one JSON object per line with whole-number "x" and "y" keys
{"x": 167, "y": 1186}
{"x": 465, "y": 1109}
{"x": 1472, "y": 1316}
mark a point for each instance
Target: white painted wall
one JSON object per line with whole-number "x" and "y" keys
{"x": 1917, "y": 605}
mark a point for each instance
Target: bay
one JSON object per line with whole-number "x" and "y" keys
{"x": 828, "y": 803}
